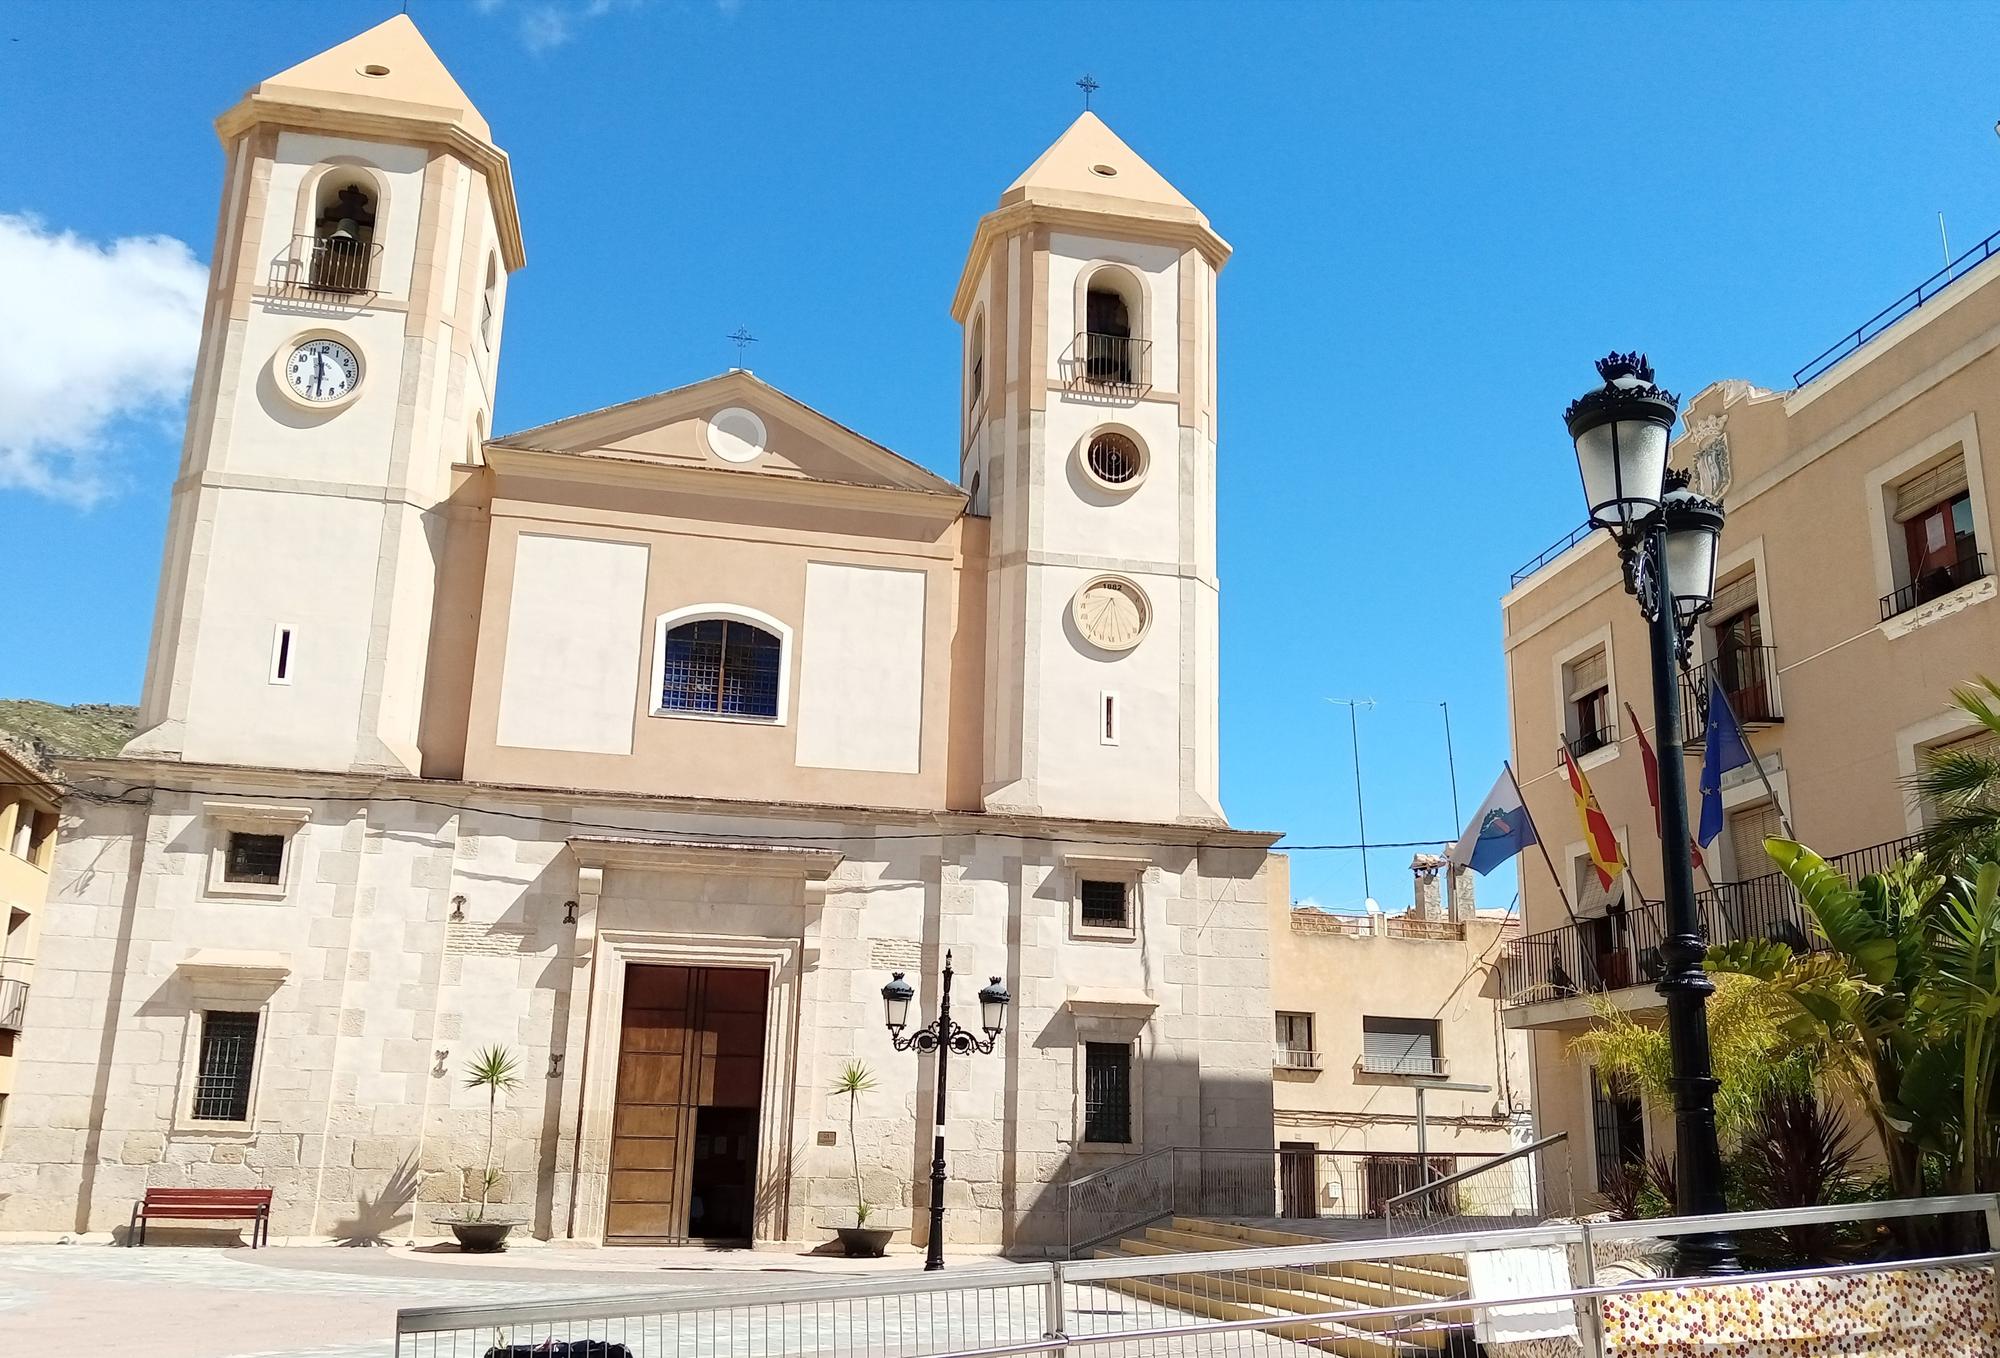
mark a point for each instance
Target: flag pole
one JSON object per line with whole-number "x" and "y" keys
{"x": 1756, "y": 762}
{"x": 1541, "y": 844}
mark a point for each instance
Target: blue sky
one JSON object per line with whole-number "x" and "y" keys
{"x": 1441, "y": 214}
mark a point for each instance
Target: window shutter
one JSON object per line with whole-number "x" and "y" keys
{"x": 1405, "y": 1045}
{"x": 1592, "y": 896}
{"x": 1926, "y": 489}
{"x": 1586, "y": 672}
{"x": 1734, "y": 597}
{"x": 1748, "y": 829}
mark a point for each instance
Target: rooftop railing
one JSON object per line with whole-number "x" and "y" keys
{"x": 1897, "y": 309}
{"x": 1549, "y": 554}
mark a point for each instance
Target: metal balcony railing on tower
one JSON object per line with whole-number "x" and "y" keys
{"x": 1749, "y": 679}
{"x": 1115, "y": 364}
{"x": 326, "y": 266}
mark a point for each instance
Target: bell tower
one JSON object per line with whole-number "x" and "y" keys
{"x": 348, "y": 357}
{"x": 1087, "y": 307}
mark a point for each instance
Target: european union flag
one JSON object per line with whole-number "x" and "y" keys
{"x": 1726, "y": 750}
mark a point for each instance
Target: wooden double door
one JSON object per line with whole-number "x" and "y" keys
{"x": 690, "y": 1083}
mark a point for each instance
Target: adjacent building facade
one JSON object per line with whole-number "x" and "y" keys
{"x": 649, "y": 743}
{"x": 1390, "y": 1061}
{"x": 28, "y": 825}
{"x": 1852, "y": 594}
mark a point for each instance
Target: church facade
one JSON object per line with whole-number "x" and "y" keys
{"x": 648, "y": 744}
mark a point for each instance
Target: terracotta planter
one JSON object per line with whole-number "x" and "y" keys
{"x": 863, "y": 1242}
{"x": 481, "y": 1237}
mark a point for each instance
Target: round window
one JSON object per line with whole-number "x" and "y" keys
{"x": 1114, "y": 459}
{"x": 736, "y": 434}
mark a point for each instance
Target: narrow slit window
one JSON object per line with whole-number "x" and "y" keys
{"x": 281, "y": 656}
{"x": 1107, "y": 719}
{"x": 1107, "y": 1092}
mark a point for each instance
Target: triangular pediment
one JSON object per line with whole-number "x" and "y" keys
{"x": 732, "y": 424}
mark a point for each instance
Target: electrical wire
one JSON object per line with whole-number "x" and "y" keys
{"x": 126, "y": 798}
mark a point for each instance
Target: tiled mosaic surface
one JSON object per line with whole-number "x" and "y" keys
{"x": 1940, "y": 1313}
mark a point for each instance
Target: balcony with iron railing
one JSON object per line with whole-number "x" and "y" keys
{"x": 326, "y": 266}
{"x": 1407, "y": 1063}
{"x": 1294, "y": 1058}
{"x": 13, "y": 993}
{"x": 1934, "y": 584}
{"x": 1606, "y": 953}
{"x": 1749, "y": 679}
{"x": 1112, "y": 364}
{"x": 1589, "y": 742}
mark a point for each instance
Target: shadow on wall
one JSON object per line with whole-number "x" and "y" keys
{"x": 388, "y": 1209}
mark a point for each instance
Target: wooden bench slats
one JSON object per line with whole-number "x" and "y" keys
{"x": 205, "y": 1204}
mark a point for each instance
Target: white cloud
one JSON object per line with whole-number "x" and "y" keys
{"x": 547, "y": 24}
{"x": 99, "y": 339}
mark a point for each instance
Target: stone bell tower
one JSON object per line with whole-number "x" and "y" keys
{"x": 1087, "y": 307}
{"x": 348, "y": 360}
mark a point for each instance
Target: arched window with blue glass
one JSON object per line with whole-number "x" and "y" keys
{"x": 728, "y": 663}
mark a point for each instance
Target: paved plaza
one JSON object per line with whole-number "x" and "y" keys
{"x": 180, "y": 1301}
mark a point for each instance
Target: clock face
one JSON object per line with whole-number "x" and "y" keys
{"x": 322, "y": 371}
{"x": 1112, "y": 613}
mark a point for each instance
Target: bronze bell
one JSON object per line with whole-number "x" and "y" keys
{"x": 351, "y": 217}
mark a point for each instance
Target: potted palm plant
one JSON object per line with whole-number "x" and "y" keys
{"x": 494, "y": 1069}
{"x": 859, "y": 1241}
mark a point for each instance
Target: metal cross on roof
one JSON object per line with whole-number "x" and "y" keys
{"x": 1089, "y": 87}
{"x": 742, "y": 339}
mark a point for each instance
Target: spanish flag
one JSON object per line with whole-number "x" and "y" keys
{"x": 1605, "y": 855}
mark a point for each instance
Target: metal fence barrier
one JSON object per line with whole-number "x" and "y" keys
{"x": 1389, "y": 1297}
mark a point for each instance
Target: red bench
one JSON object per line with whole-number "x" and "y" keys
{"x": 205, "y": 1204}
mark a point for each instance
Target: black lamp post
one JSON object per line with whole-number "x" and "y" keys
{"x": 943, "y": 1037}
{"x": 1666, "y": 536}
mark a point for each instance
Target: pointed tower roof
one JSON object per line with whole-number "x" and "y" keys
{"x": 1089, "y": 159}
{"x": 389, "y": 69}
{"x": 385, "y": 81}
{"x": 1089, "y": 175}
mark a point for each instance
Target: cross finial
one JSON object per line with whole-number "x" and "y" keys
{"x": 1089, "y": 87}
{"x": 742, "y": 339}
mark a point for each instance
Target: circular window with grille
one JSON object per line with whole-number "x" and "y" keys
{"x": 1114, "y": 460}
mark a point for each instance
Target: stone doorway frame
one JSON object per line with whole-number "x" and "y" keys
{"x": 780, "y": 959}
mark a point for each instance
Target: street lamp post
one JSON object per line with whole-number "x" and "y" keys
{"x": 1666, "y": 536}
{"x": 943, "y": 1037}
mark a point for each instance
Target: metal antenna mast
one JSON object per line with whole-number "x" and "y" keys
{"x": 1360, "y": 813}
{"x": 1451, "y": 763}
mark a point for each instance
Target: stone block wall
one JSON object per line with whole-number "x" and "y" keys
{"x": 412, "y": 933}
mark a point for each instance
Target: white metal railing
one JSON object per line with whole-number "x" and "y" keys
{"x": 1355, "y": 1296}
{"x": 1403, "y": 1065}
{"x": 1294, "y": 1058}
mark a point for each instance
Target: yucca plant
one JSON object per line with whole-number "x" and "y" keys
{"x": 493, "y": 1069}
{"x": 854, "y": 1080}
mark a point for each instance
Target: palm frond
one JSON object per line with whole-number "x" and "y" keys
{"x": 492, "y": 1068}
